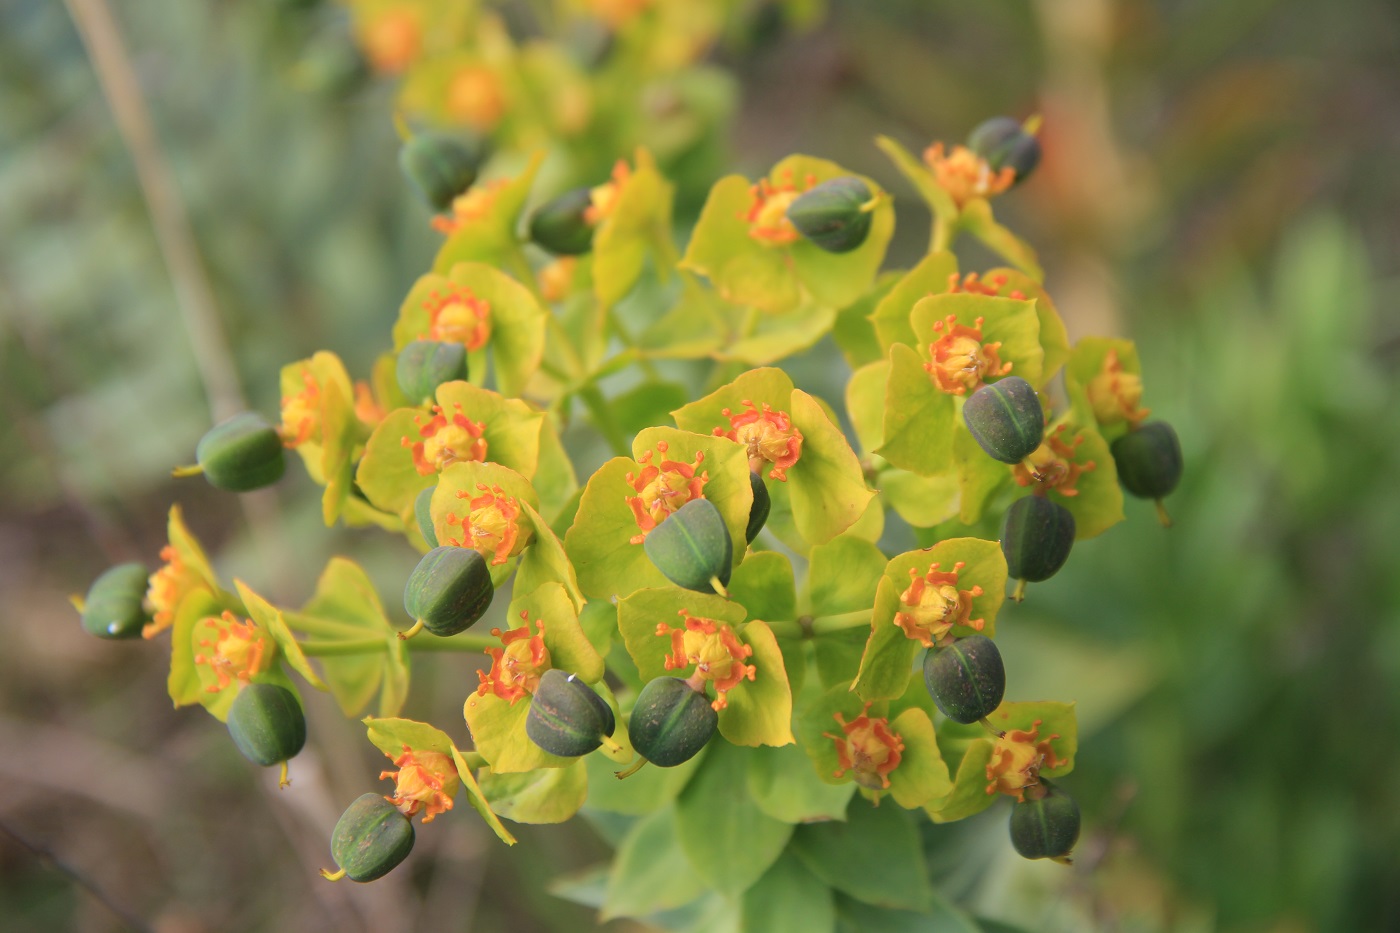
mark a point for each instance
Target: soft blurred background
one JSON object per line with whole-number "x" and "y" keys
{"x": 1219, "y": 184}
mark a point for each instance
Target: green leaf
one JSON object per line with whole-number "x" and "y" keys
{"x": 919, "y": 417}
{"x": 729, "y": 841}
{"x": 641, "y": 216}
{"x": 327, "y": 451}
{"x": 785, "y": 786}
{"x": 551, "y": 795}
{"x": 1056, "y": 719}
{"x": 923, "y": 501}
{"x": 545, "y": 561}
{"x": 760, "y": 711}
{"x": 777, "y": 336}
{"x": 866, "y": 918}
{"x": 788, "y": 899}
{"x": 269, "y": 618}
{"x": 764, "y": 586}
{"x": 478, "y": 799}
{"x": 969, "y": 795}
{"x": 828, "y": 486}
{"x": 836, "y": 279}
{"x": 875, "y": 856}
{"x": 763, "y": 386}
{"x": 865, "y": 403}
{"x": 650, "y": 871}
{"x": 976, "y": 218}
{"x": 391, "y": 735}
{"x": 922, "y": 179}
{"x": 386, "y": 474}
{"x": 647, "y": 404}
{"x": 639, "y": 614}
{"x": 490, "y": 238}
{"x": 184, "y": 684}
{"x": 743, "y": 270}
{"x": 891, "y": 316}
{"x": 843, "y": 575}
{"x": 853, "y": 332}
{"x": 979, "y": 476}
{"x": 921, "y": 775}
{"x": 569, "y": 648}
{"x": 498, "y": 731}
{"x": 647, "y": 791}
{"x": 1098, "y": 501}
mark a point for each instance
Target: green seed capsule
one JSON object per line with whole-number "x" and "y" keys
{"x": 1047, "y": 827}
{"x": 671, "y": 722}
{"x": 567, "y": 718}
{"x": 1005, "y": 418}
{"x": 424, "y": 365}
{"x": 692, "y": 547}
{"x": 966, "y": 679}
{"x": 758, "y": 512}
{"x": 241, "y": 454}
{"x": 1004, "y": 142}
{"x": 833, "y": 215}
{"x": 559, "y": 225}
{"x": 267, "y": 724}
{"x": 115, "y": 603}
{"x": 1149, "y": 460}
{"x": 448, "y": 590}
{"x": 371, "y": 838}
{"x": 1036, "y": 537}
{"x": 422, "y": 511}
{"x": 440, "y": 167}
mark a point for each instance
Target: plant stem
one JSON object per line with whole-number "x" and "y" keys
{"x": 334, "y": 647}
{"x": 821, "y": 625}
{"x": 604, "y": 421}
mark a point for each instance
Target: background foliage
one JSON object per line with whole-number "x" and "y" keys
{"x": 1216, "y": 184}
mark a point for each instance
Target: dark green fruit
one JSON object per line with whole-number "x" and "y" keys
{"x": 267, "y": 724}
{"x": 758, "y": 512}
{"x": 422, "y": 511}
{"x": 424, "y": 365}
{"x": 1149, "y": 460}
{"x": 371, "y": 838}
{"x": 440, "y": 167}
{"x": 559, "y": 225}
{"x": 1036, "y": 537}
{"x": 966, "y": 679}
{"x": 241, "y": 454}
{"x": 1047, "y": 827}
{"x": 1004, "y": 142}
{"x": 1005, "y": 418}
{"x": 692, "y": 546}
{"x": 448, "y": 590}
{"x": 567, "y": 718}
{"x": 671, "y": 722}
{"x": 115, "y": 603}
{"x": 833, "y": 215}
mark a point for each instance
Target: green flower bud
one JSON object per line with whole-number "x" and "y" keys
{"x": 115, "y": 603}
{"x": 1004, "y": 142}
{"x": 267, "y": 724}
{"x": 424, "y": 365}
{"x": 567, "y": 718}
{"x": 1036, "y": 537}
{"x": 241, "y": 454}
{"x": 560, "y": 225}
{"x": 758, "y": 512}
{"x": 440, "y": 167}
{"x": 834, "y": 215}
{"x": 692, "y": 547}
{"x": 1006, "y": 419}
{"x": 966, "y": 679}
{"x": 448, "y": 590}
{"x": 1149, "y": 460}
{"x": 422, "y": 511}
{"x": 371, "y": 838}
{"x": 1046, "y": 826}
{"x": 671, "y": 722}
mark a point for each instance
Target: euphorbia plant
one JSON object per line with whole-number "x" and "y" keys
{"x": 705, "y": 635}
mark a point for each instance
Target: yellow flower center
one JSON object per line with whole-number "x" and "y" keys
{"x": 868, "y": 749}
{"x": 393, "y": 40}
{"x": 1052, "y": 465}
{"x": 714, "y": 649}
{"x": 1017, "y": 760}
{"x": 301, "y": 413}
{"x": 767, "y": 435}
{"x": 965, "y": 175}
{"x": 518, "y": 665}
{"x": 662, "y": 488}
{"x": 1115, "y": 394}
{"x": 767, "y": 213}
{"x": 932, "y": 605}
{"x": 167, "y": 586}
{"x": 239, "y": 650}
{"x": 492, "y": 524}
{"x": 426, "y": 781}
{"x": 446, "y": 441}
{"x": 959, "y": 360}
{"x": 603, "y": 199}
{"x": 475, "y": 97}
{"x": 458, "y": 317}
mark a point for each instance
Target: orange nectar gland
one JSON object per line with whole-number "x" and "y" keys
{"x": 973, "y": 284}
{"x": 1115, "y": 395}
{"x": 714, "y": 649}
{"x": 367, "y": 407}
{"x": 301, "y": 413}
{"x": 1052, "y": 465}
{"x": 517, "y": 666}
{"x": 167, "y": 586}
{"x": 767, "y": 434}
{"x": 491, "y": 525}
{"x": 933, "y": 604}
{"x": 965, "y": 175}
{"x": 867, "y": 748}
{"x": 767, "y": 215}
{"x": 662, "y": 488}
{"x": 458, "y": 317}
{"x": 238, "y": 651}
{"x": 446, "y": 440}
{"x": 475, "y": 97}
{"x": 603, "y": 199}
{"x": 470, "y": 206}
{"x": 393, "y": 40}
{"x": 1017, "y": 759}
{"x": 960, "y": 360}
{"x": 426, "y": 781}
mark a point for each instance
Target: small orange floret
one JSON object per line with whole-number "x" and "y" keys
{"x": 974, "y": 284}
{"x": 425, "y": 780}
{"x": 617, "y": 13}
{"x": 469, "y": 207}
{"x": 476, "y": 98}
{"x": 1114, "y": 394}
{"x": 491, "y": 524}
{"x": 238, "y": 650}
{"x": 301, "y": 413}
{"x": 1017, "y": 759}
{"x": 767, "y": 214}
{"x": 367, "y": 407}
{"x": 393, "y": 40}
{"x": 960, "y": 360}
{"x": 933, "y": 605}
{"x": 1055, "y": 466}
{"x": 965, "y": 175}
{"x": 768, "y": 436}
{"x": 714, "y": 649}
{"x": 868, "y": 748}
{"x": 517, "y": 666}
{"x": 167, "y": 586}
{"x": 662, "y": 488}
{"x": 603, "y": 199}
{"x": 556, "y": 280}
{"x": 446, "y": 440}
{"x": 458, "y": 316}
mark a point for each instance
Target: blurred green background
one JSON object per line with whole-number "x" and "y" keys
{"x": 1219, "y": 184}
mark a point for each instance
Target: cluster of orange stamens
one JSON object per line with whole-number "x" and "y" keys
{"x": 446, "y": 440}
{"x": 167, "y": 586}
{"x": 458, "y": 316}
{"x": 476, "y": 98}
{"x": 965, "y": 175}
{"x": 1017, "y": 759}
{"x": 469, "y": 206}
{"x": 867, "y": 748}
{"x": 767, "y": 435}
{"x": 518, "y": 665}
{"x": 238, "y": 650}
{"x": 301, "y": 413}
{"x": 714, "y": 649}
{"x": 767, "y": 213}
{"x": 1114, "y": 394}
{"x": 933, "y": 605}
{"x": 491, "y": 524}
{"x": 662, "y": 488}
{"x": 425, "y": 780}
{"x": 960, "y": 361}
{"x": 1052, "y": 465}
{"x": 974, "y": 284}
{"x": 603, "y": 199}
